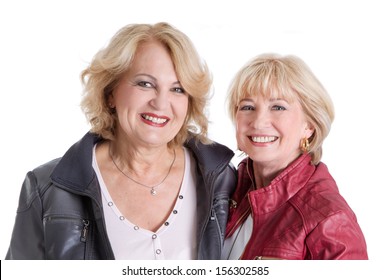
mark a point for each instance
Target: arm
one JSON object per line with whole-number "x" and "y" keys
{"x": 337, "y": 237}
{"x": 27, "y": 240}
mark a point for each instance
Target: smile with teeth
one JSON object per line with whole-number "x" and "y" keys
{"x": 263, "y": 139}
{"x": 155, "y": 120}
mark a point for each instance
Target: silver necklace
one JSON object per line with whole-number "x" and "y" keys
{"x": 152, "y": 188}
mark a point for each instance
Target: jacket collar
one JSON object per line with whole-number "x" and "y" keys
{"x": 247, "y": 199}
{"x": 283, "y": 187}
{"x": 211, "y": 157}
{"x": 74, "y": 170}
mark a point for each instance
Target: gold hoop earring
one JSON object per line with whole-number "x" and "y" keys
{"x": 305, "y": 145}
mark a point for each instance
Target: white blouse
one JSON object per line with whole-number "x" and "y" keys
{"x": 235, "y": 245}
{"x": 175, "y": 239}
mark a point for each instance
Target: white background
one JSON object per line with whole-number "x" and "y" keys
{"x": 46, "y": 44}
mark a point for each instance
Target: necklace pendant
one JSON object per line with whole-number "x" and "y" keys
{"x": 153, "y": 192}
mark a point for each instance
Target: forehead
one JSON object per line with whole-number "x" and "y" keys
{"x": 267, "y": 93}
{"x": 153, "y": 58}
{"x": 269, "y": 78}
{"x": 151, "y": 52}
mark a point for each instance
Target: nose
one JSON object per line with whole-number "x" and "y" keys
{"x": 261, "y": 119}
{"x": 160, "y": 100}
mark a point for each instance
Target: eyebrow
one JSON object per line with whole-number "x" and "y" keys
{"x": 147, "y": 75}
{"x": 154, "y": 79}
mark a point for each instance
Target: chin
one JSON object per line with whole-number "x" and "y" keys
{"x": 261, "y": 157}
{"x": 158, "y": 140}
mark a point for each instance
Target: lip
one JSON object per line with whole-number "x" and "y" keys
{"x": 154, "y": 120}
{"x": 262, "y": 140}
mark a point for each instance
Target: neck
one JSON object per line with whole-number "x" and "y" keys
{"x": 265, "y": 172}
{"x": 262, "y": 176}
{"x": 139, "y": 160}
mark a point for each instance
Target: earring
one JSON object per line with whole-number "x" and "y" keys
{"x": 111, "y": 108}
{"x": 305, "y": 145}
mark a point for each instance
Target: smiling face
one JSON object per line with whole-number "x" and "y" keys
{"x": 270, "y": 130}
{"x": 150, "y": 102}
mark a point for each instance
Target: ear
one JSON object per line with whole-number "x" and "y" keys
{"x": 309, "y": 130}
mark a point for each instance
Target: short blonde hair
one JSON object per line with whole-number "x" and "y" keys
{"x": 107, "y": 67}
{"x": 287, "y": 77}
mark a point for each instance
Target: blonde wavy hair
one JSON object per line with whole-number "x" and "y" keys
{"x": 107, "y": 67}
{"x": 287, "y": 77}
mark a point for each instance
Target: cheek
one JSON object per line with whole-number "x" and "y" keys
{"x": 240, "y": 139}
{"x": 241, "y": 131}
{"x": 128, "y": 100}
{"x": 294, "y": 132}
{"x": 181, "y": 108}
{"x": 241, "y": 123}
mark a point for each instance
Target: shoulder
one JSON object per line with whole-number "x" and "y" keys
{"x": 214, "y": 165}
{"x": 213, "y": 155}
{"x": 320, "y": 199}
{"x": 36, "y": 183}
{"x": 42, "y": 173}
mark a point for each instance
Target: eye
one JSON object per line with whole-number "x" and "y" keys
{"x": 278, "y": 108}
{"x": 145, "y": 84}
{"x": 178, "y": 90}
{"x": 246, "y": 108}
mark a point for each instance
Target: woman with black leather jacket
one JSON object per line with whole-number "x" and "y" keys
{"x": 143, "y": 183}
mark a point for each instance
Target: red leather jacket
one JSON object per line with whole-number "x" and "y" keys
{"x": 300, "y": 215}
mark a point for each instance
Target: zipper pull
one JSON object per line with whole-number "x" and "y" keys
{"x": 232, "y": 204}
{"x": 212, "y": 217}
{"x": 84, "y": 233}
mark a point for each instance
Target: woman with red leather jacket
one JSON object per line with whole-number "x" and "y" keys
{"x": 286, "y": 205}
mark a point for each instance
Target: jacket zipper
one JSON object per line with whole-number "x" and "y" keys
{"x": 242, "y": 216}
{"x": 110, "y": 253}
{"x": 246, "y": 245}
{"x": 84, "y": 232}
{"x": 240, "y": 219}
{"x": 214, "y": 175}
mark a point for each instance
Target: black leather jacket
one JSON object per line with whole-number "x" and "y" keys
{"x": 60, "y": 213}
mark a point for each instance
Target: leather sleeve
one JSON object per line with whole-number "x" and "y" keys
{"x": 211, "y": 243}
{"x": 337, "y": 237}
{"x": 27, "y": 236}
{"x": 225, "y": 185}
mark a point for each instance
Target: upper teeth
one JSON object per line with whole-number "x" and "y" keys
{"x": 263, "y": 139}
{"x": 154, "y": 119}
